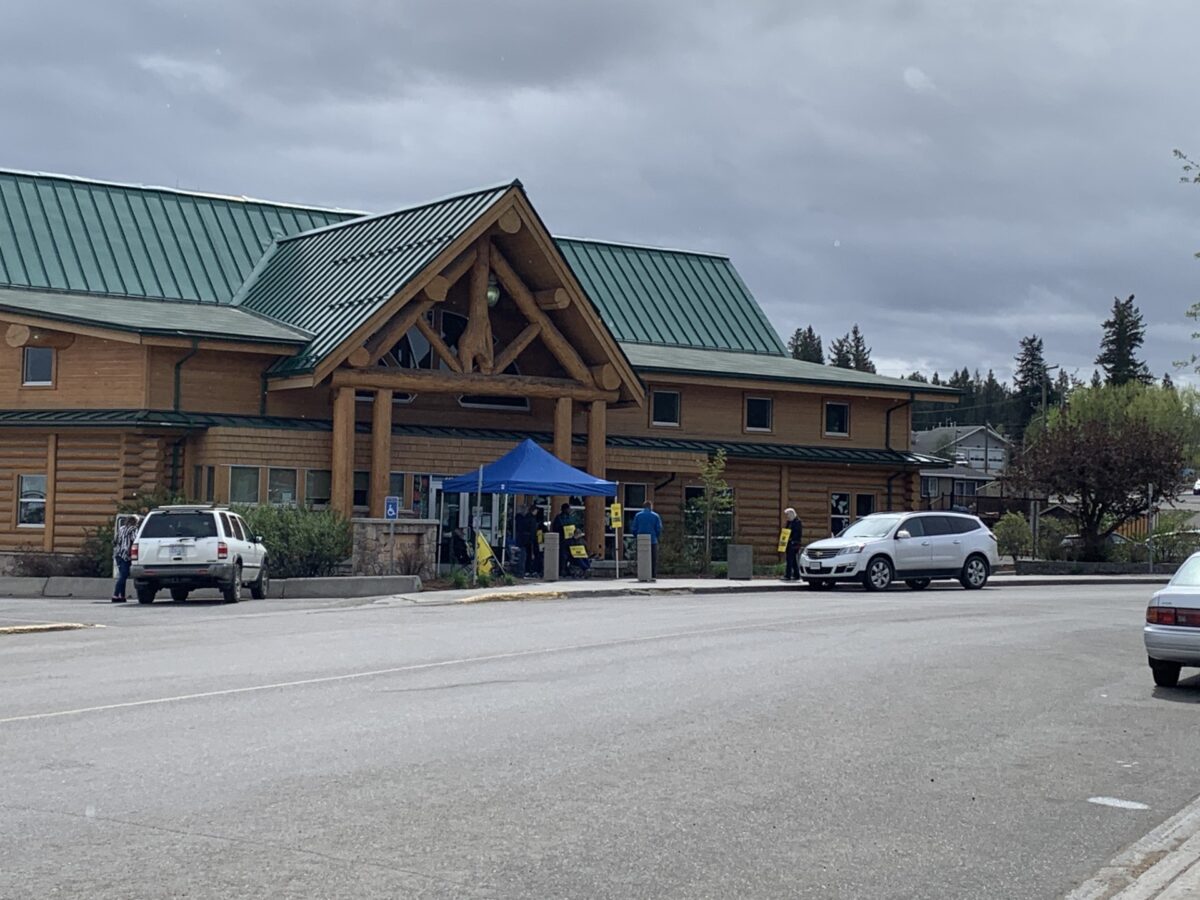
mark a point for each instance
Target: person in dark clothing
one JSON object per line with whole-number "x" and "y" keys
{"x": 525, "y": 535}
{"x": 792, "y": 553}
{"x": 122, "y": 554}
{"x": 563, "y": 522}
{"x": 458, "y": 548}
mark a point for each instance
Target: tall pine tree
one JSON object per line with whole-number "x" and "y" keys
{"x": 840, "y": 354}
{"x": 805, "y": 344}
{"x": 860, "y": 353}
{"x": 1124, "y": 333}
{"x": 1029, "y": 380}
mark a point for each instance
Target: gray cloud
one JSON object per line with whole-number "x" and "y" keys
{"x": 950, "y": 175}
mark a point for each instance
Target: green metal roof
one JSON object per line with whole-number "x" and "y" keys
{"x": 157, "y": 317}
{"x": 328, "y": 282}
{"x": 71, "y": 234}
{"x": 670, "y": 297}
{"x": 760, "y": 367}
{"x": 149, "y": 418}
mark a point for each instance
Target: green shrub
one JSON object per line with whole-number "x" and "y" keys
{"x": 459, "y": 578}
{"x": 483, "y": 578}
{"x": 300, "y": 542}
{"x": 720, "y": 570}
{"x": 509, "y": 579}
{"x": 1013, "y": 535}
{"x": 1050, "y": 537}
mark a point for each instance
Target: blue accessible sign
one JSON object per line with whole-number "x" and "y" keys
{"x": 391, "y": 507}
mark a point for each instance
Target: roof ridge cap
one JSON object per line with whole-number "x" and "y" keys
{"x": 633, "y": 246}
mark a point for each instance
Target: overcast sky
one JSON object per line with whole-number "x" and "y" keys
{"x": 950, "y": 174}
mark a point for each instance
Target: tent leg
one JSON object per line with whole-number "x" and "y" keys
{"x": 504, "y": 536}
{"x": 441, "y": 525}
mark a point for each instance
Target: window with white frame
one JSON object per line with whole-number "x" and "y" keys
{"x": 281, "y": 486}
{"x": 759, "y": 413}
{"x": 664, "y": 408}
{"x": 837, "y": 418}
{"x": 964, "y": 488}
{"x": 243, "y": 484}
{"x": 839, "y": 512}
{"x": 929, "y": 486}
{"x": 31, "y": 501}
{"x": 37, "y": 367}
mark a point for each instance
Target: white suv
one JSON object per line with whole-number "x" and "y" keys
{"x": 914, "y": 547}
{"x": 184, "y": 548}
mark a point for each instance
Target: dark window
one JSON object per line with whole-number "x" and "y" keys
{"x": 837, "y": 418}
{"x": 396, "y": 486}
{"x": 197, "y": 482}
{"x": 226, "y": 526}
{"x": 210, "y": 488}
{"x": 243, "y": 484}
{"x": 38, "y": 368}
{"x": 664, "y": 408}
{"x": 317, "y": 487}
{"x": 864, "y": 505}
{"x": 281, "y": 486}
{"x": 938, "y": 525}
{"x": 965, "y": 525}
{"x": 179, "y": 525}
{"x": 758, "y": 413}
{"x": 635, "y": 496}
{"x": 470, "y": 401}
{"x": 238, "y": 530}
{"x": 31, "y": 500}
{"x": 914, "y": 526}
{"x": 362, "y": 489}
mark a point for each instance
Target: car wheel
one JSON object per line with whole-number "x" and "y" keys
{"x": 1166, "y": 674}
{"x": 146, "y": 593}
{"x": 878, "y": 574}
{"x": 918, "y": 584}
{"x": 974, "y": 573}
{"x": 262, "y": 584}
{"x": 179, "y": 594}
{"x": 232, "y": 592}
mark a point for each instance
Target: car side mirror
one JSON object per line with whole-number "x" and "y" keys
{"x": 258, "y": 539}
{"x": 903, "y": 535}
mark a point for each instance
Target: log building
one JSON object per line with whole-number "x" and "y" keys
{"x": 252, "y": 352}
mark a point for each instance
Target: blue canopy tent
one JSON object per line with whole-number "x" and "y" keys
{"x": 527, "y": 469}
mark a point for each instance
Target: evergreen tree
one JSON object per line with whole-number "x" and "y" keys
{"x": 993, "y": 399}
{"x": 860, "y": 353}
{"x": 805, "y": 344}
{"x": 1167, "y": 382}
{"x": 916, "y": 376}
{"x": 1124, "y": 333}
{"x": 1029, "y": 379}
{"x": 1097, "y": 381}
{"x": 840, "y": 354}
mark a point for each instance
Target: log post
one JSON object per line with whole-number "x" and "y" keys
{"x": 381, "y": 450}
{"x": 341, "y": 464}
{"x": 598, "y": 466}
{"x": 562, "y": 440}
{"x": 23, "y": 336}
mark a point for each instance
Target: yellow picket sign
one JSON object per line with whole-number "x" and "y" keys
{"x": 568, "y": 532}
{"x": 614, "y": 513}
{"x": 784, "y": 536}
{"x": 484, "y": 557}
{"x": 579, "y": 551}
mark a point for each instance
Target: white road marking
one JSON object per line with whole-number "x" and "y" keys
{"x": 416, "y": 667}
{"x": 1117, "y": 803}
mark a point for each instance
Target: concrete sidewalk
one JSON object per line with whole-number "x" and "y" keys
{"x": 627, "y": 587}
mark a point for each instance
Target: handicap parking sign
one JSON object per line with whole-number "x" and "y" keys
{"x": 391, "y": 507}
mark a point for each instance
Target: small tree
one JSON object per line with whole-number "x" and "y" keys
{"x": 805, "y": 344}
{"x": 1110, "y": 455}
{"x": 1013, "y": 535}
{"x": 860, "y": 353}
{"x": 716, "y": 500}
{"x": 841, "y": 353}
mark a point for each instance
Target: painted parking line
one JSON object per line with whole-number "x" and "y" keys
{"x": 394, "y": 670}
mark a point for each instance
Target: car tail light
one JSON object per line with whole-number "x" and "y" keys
{"x": 133, "y": 551}
{"x": 222, "y": 550}
{"x": 1169, "y": 615}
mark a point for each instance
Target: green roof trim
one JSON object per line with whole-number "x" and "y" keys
{"x": 168, "y": 419}
{"x": 761, "y": 367}
{"x": 331, "y": 280}
{"x": 92, "y": 237}
{"x": 649, "y": 295}
{"x": 153, "y": 317}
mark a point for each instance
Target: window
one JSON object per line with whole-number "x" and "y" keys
{"x": 243, "y": 484}
{"x": 317, "y": 487}
{"x": 197, "y": 482}
{"x": 481, "y": 401}
{"x": 864, "y": 505}
{"x": 839, "y": 512}
{"x": 396, "y": 486}
{"x": 914, "y": 526}
{"x": 31, "y": 502}
{"x": 965, "y": 525}
{"x": 180, "y": 525}
{"x": 758, "y": 413}
{"x": 664, "y": 408}
{"x": 37, "y": 369}
{"x": 281, "y": 486}
{"x": 362, "y": 489}
{"x": 226, "y": 527}
{"x": 693, "y": 524}
{"x": 634, "y": 496}
{"x": 837, "y": 419}
{"x": 398, "y": 397}
{"x": 210, "y": 483}
{"x": 243, "y": 533}
{"x": 964, "y": 488}
{"x": 929, "y": 486}
{"x": 937, "y": 525}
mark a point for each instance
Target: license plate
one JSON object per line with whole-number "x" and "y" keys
{"x": 820, "y": 570}
{"x": 175, "y": 549}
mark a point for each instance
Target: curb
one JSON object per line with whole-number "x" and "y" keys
{"x": 49, "y": 626}
{"x": 1164, "y": 864}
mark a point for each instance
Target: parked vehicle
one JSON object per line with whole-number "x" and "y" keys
{"x": 913, "y": 547}
{"x": 1172, "y": 629}
{"x": 1196, "y": 487}
{"x": 185, "y": 548}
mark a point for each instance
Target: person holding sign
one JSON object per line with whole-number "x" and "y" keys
{"x": 789, "y": 542}
{"x": 564, "y": 526}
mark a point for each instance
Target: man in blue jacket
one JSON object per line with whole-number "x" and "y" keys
{"x": 649, "y": 522}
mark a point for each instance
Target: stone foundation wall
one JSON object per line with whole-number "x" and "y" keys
{"x": 1071, "y": 567}
{"x": 400, "y": 547}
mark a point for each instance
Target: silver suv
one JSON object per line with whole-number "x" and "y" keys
{"x": 184, "y": 548}
{"x": 914, "y": 547}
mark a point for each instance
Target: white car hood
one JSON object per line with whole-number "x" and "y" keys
{"x": 837, "y": 543}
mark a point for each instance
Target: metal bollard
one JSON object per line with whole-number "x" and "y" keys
{"x": 550, "y": 557}
{"x": 645, "y": 570}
